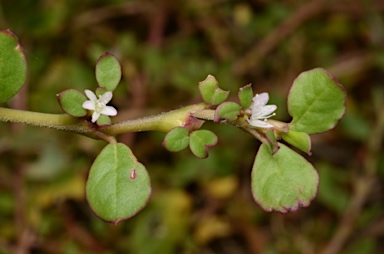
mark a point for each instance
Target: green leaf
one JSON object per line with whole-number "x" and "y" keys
{"x": 100, "y": 91}
{"x": 103, "y": 120}
{"x": 13, "y": 66}
{"x": 200, "y": 140}
{"x": 245, "y": 96}
{"x": 316, "y": 102}
{"x": 118, "y": 186}
{"x": 210, "y": 91}
{"x": 284, "y": 181}
{"x": 227, "y": 111}
{"x": 299, "y": 140}
{"x": 108, "y": 71}
{"x": 71, "y": 101}
{"x": 176, "y": 139}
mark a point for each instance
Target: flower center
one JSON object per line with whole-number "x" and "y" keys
{"x": 99, "y": 106}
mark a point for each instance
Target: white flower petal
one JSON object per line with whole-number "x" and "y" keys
{"x": 259, "y": 123}
{"x": 91, "y": 95}
{"x": 265, "y": 111}
{"x": 90, "y": 105}
{"x": 260, "y": 111}
{"x": 106, "y": 97}
{"x": 95, "y": 116}
{"x": 99, "y": 106}
{"x": 109, "y": 111}
{"x": 260, "y": 99}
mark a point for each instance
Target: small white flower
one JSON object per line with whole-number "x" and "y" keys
{"x": 260, "y": 111}
{"x": 99, "y": 106}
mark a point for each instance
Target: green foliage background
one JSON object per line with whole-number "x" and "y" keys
{"x": 165, "y": 48}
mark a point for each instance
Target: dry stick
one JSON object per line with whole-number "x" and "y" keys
{"x": 79, "y": 233}
{"x": 362, "y": 188}
{"x": 138, "y": 83}
{"x": 376, "y": 229}
{"x": 218, "y": 41}
{"x": 363, "y": 185}
{"x": 252, "y": 58}
{"x": 99, "y": 15}
{"x": 351, "y": 64}
{"x": 24, "y": 235}
{"x": 157, "y": 21}
{"x": 139, "y": 101}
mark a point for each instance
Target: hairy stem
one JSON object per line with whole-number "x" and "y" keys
{"x": 54, "y": 121}
{"x": 161, "y": 122}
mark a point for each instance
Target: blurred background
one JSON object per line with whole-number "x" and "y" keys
{"x": 198, "y": 206}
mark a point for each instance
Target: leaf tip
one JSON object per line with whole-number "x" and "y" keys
{"x": 9, "y": 32}
{"x": 245, "y": 87}
{"x": 106, "y": 54}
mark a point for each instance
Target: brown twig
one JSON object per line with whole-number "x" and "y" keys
{"x": 157, "y": 21}
{"x": 99, "y": 15}
{"x": 139, "y": 101}
{"x": 24, "y": 235}
{"x": 351, "y": 64}
{"x": 375, "y": 229}
{"x": 362, "y": 189}
{"x": 364, "y": 184}
{"x": 78, "y": 233}
{"x": 253, "y": 57}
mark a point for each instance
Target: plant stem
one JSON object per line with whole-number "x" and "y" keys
{"x": 163, "y": 122}
{"x": 206, "y": 114}
{"x": 54, "y": 121}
